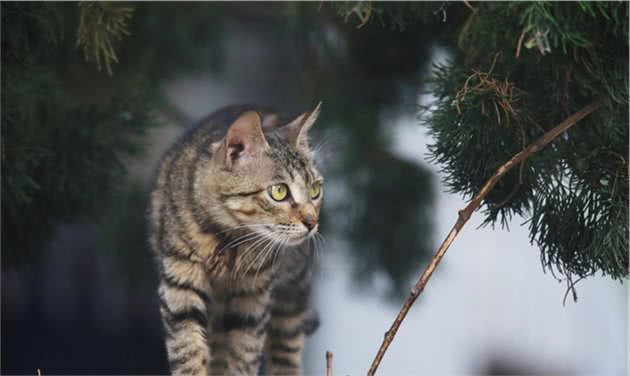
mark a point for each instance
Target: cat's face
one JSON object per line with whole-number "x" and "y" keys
{"x": 267, "y": 182}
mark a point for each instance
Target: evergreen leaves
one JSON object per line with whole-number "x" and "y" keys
{"x": 101, "y": 24}
{"x": 69, "y": 131}
{"x": 61, "y": 148}
{"x": 519, "y": 69}
{"x": 553, "y": 58}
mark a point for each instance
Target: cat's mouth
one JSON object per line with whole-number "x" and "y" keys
{"x": 289, "y": 236}
{"x": 297, "y": 239}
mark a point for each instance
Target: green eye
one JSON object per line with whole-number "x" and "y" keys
{"x": 278, "y": 192}
{"x": 314, "y": 191}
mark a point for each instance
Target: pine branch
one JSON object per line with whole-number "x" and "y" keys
{"x": 465, "y": 214}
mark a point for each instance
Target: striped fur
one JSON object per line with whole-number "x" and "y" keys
{"x": 234, "y": 265}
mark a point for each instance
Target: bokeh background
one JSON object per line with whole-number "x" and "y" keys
{"x": 78, "y": 283}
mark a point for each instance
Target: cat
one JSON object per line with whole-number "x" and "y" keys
{"x": 233, "y": 212}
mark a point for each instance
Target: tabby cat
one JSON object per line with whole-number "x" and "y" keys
{"x": 234, "y": 208}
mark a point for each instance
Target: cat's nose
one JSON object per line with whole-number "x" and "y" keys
{"x": 310, "y": 222}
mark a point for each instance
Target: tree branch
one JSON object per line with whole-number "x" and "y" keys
{"x": 466, "y": 213}
{"x": 329, "y": 358}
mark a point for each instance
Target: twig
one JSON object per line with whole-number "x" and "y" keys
{"x": 520, "y": 43}
{"x": 366, "y": 16}
{"x": 464, "y": 215}
{"x": 467, "y": 4}
{"x": 329, "y": 356}
{"x": 571, "y": 288}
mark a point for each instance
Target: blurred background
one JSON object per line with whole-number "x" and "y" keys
{"x": 78, "y": 280}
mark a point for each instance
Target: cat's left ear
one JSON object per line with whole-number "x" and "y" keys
{"x": 296, "y": 132}
{"x": 244, "y": 140}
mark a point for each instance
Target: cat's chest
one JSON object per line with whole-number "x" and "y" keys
{"x": 256, "y": 269}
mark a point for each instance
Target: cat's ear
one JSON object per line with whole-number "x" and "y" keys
{"x": 296, "y": 132}
{"x": 244, "y": 140}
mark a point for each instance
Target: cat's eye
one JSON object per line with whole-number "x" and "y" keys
{"x": 279, "y": 191}
{"x": 315, "y": 191}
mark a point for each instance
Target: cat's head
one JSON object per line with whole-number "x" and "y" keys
{"x": 265, "y": 180}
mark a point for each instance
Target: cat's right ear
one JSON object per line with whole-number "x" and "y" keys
{"x": 244, "y": 140}
{"x": 296, "y": 132}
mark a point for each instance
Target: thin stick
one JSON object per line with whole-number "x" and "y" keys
{"x": 329, "y": 363}
{"x": 464, "y": 215}
{"x": 520, "y": 42}
{"x": 467, "y": 4}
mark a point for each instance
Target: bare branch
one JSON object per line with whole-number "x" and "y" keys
{"x": 466, "y": 213}
{"x": 329, "y": 356}
{"x": 467, "y": 4}
{"x": 366, "y": 16}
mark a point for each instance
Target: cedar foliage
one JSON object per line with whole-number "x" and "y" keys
{"x": 58, "y": 150}
{"x": 68, "y": 128}
{"x": 101, "y": 24}
{"x": 517, "y": 70}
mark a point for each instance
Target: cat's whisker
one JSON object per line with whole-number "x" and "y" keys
{"x": 241, "y": 239}
{"x": 314, "y": 247}
{"x": 320, "y": 246}
{"x": 275, "y": 242}
{"x": 251, "y": 248}
{"x": 256, "y": 235}
{"x": 277, "y": 250}
{"x": 254, "y": 247}
{"x": 316, "y": 156}
{"x": 250, "y": 237}
{"x": 272, "y": 240}
{"x": 273, "y": 260}
{"x": 325, "y": 138}
{"x": 258, "y": 238}
{"x": 280, "y": 249}
{"x": 281, "y": 246}
{"x": 321, "y": 238}
{"x": 322, "y": 143}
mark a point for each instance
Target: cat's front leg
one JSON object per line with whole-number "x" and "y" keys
{"x": 245, "y": 321}
{"x": 184, "y": 303}
{"x": 287, "y": 327}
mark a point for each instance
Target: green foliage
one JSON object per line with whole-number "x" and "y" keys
{"x": 58, "y": 155}
{"x": 68, "y": 130}
{"x": 101, "y": 24}
{"x": 520, "y": 68}
{"x": 551, "y": 60}
{"x": 394, "y": 15}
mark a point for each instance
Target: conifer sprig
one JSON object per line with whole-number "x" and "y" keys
{"x": 101, "y": 25}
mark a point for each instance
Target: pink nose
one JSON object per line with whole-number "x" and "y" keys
{"x": 310, "y": 222}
